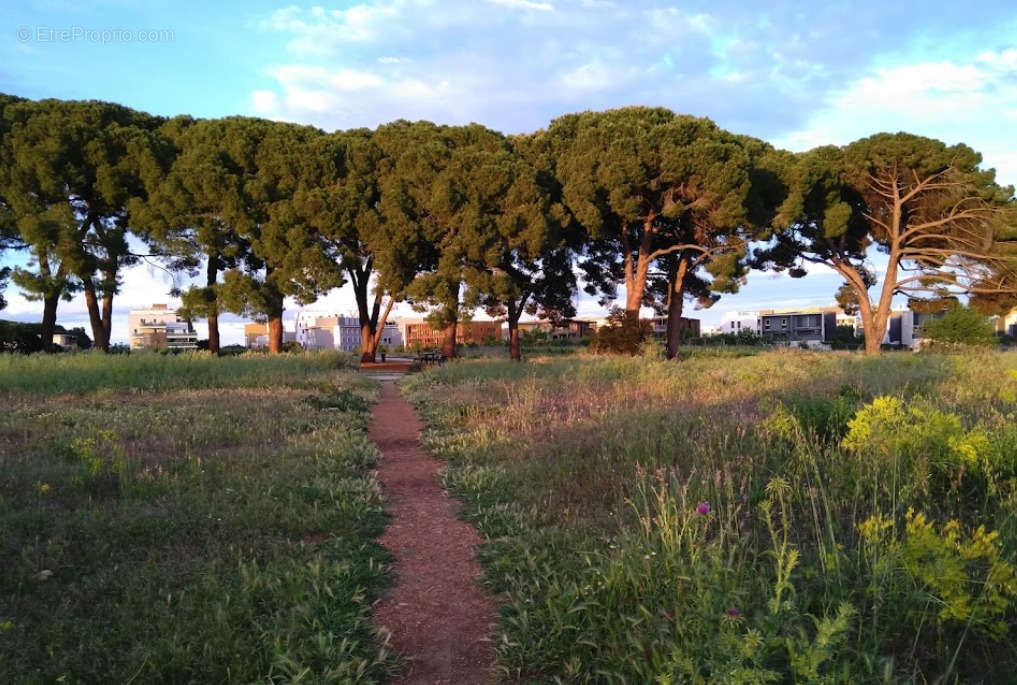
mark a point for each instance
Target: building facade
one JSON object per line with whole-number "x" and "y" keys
{"x": 736, "y": 322}
{"x": 904, "y": 327}
{"x": 65, "y": 341}
{"x": 684, "y": 324}
{"x": 159, "y": 328}
{"x": 417, "y": 333}
{"x": 795, "y": 328}
{"x": 256, "y": 336}
{"x": 318, "y": 331}
{"x": 569, "y": 329}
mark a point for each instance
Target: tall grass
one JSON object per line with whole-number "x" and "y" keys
{"x": 783, "y": 517}
{"x": 200, "y": 535}
{"x": 146, "y": 371}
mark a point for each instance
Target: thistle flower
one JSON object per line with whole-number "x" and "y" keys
{"x": 703, "y": 508}
{"x": 733, "y": 615}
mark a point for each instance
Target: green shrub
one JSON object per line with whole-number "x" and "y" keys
{"x": 919, "y": 451}
{"x": 962, "y": 579}
{"x": 624, "y": 333}
{"x": 960, "y": 326}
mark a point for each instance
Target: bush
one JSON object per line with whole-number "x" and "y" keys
{"x": 624, "y": 333}
{"x": 939, "y": 455}
{"x": 960, "y": 326}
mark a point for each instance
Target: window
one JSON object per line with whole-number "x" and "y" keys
{"x": 783, "y": 323}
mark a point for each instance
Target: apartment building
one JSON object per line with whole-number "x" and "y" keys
{"x": 736, "y": 322}
{"x": 568, "y": 329}
{"x": 256, "y": 336}
{"x": 417, "y": 333}
{"x": 684, "y": 324}
{"x": 159, "y": 328}
{"x": 795, "y": 328}
{"x": 318, "y": 331}
{"x": 904, "y": 327}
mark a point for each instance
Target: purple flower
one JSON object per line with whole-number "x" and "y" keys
{"x": 733, "y": 612}
{"x": 704, "y": 508}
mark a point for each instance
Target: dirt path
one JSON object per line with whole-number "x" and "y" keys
{"x": 441, "y": 622}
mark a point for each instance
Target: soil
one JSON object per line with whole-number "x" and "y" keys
{"x": 440, "y": 621}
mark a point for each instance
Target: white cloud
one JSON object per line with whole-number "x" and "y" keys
{"x": 456, "y": 62}
{"x": 524, "y": 4}
{"x": 317, "y": 30}
{"x": 592, "y": 76}
{"x": 264, "y": 101}
{"x": 956, "y": 101}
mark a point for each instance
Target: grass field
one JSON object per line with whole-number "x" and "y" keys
{"x": 740, "y": 518}
{"x": 187, "y": 520}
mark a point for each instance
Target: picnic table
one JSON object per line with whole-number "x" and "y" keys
{"x": 430, "y": 357}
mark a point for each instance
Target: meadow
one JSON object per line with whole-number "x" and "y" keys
{"x": 740, "y": 517}
{"x": 189, "y": 520}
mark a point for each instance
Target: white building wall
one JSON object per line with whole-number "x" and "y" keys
{"x": 735, "y": 322}
{"x": 179, "y": 333}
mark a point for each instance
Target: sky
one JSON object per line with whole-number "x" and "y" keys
{"x": 798, "y": 74}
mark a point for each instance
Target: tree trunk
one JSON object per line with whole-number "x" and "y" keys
{"x": 367, "y": 345}
{"x": 674, "y": 324}
{"x": 109, "y": 289}
{"x": 448, "y": 342}
{"x": 49, "y": 312}
{"x": 107, "y": 316}
{"x": 379, "y": 323}
{"x": 360, "y": 278}
{"x": 213, "y": 328}
{"x": 636, "y": 285}
{"x": 211, "y": 277}
{"x": 99, "y": 339}
{"x": 275, "y": 334}
{"x": 881, "y": 316}
{"x": 873, "y": 340}
{"x": 514, "y": 312}
{"x": 675, "y": 307}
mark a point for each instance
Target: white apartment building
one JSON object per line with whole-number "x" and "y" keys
{"x": 323, "y": 331}
{"x": 736, "y": 322}
{"x": 160, "y": 328}
{"x": 904, "y": 328}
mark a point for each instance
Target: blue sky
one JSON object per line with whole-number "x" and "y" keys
{"x": 798, "y": 74}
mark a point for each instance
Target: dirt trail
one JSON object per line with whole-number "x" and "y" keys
{"x": 441, "y": 622}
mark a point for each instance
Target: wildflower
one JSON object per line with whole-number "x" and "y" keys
{"x": 733, "y": 615}
{"x": 703, "y": 508}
